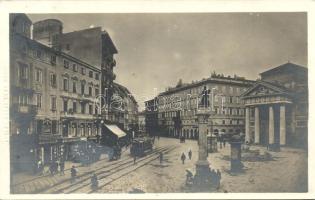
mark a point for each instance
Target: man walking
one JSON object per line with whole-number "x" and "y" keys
{"x": 51, "y": 168}
{"x": 183, "y": 158}
{"x": 62, "y": 167}
{"x": 134, "y": 159}
{"x": 190, "y": 154}
{"x": 73, "y": 172}
{"x": 161, "y": 157}
{"x": 94, "y": 182}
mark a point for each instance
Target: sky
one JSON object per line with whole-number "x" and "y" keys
{"x": 156, "y": 50}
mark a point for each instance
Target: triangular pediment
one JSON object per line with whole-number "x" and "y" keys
{"x": 264, "y": 89}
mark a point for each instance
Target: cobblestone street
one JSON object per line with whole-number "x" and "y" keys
{"x": 287, "y": 173}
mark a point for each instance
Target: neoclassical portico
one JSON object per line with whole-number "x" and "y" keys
{"x": 266, "y": 122}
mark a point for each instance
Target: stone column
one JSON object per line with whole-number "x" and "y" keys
{"x": 201, "y": 179}
{"x": 282, "y": 125}
{"x": 247, "y": 134}
{"x": 203, "y": 121}
{"x": 271, "y": 126}
{"x": 257, "y": 127}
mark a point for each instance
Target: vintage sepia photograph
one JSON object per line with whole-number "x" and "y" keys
{"x": 158, "y": 102}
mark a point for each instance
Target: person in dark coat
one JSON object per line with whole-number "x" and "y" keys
{"x": 94, "y": 182}
{"x": 73, "y": 172}
{"x": 62, "y": 167}
{"x": 190, "y": 154}
{"x": 219, "y": 178}
{"x": 56, "y": 167}
{"x": 51, "y": 168}
{"x": 134, "y": 159}
{"x": 183, "y": 158}
{"x": 161, "y": 157}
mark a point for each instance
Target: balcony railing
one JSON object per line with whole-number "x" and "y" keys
{"x": 24, "y": 109}
{"x": 75, "y": 115}
{"x": 49, "y": 138}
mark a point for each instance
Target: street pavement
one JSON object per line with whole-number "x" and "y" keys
{"x": 26, "y": 183}
{"x": 286, "y": 172}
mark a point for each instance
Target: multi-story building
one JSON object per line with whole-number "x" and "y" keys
{"x": 92, "y": 45}
{"x": 124, "y": 108}
{"x": 277, "y": 107}
{"x": 141, "y": 122}
{"x": 52, "y": 98}
{"x": 151, "y": 117}
{"x": 177, "y": 107}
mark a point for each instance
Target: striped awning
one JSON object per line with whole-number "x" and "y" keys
{"x": 116, "y": 130}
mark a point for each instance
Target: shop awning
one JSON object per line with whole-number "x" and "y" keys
{"x": 116, "y": 130}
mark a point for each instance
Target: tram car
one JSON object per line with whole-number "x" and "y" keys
{"x": 140, "y": 146}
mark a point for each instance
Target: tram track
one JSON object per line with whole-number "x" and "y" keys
{"x": 37, "y": 181}
{"x": 105, "y": 183}
{"x": 117, "y": 174}
{"x": 84, "y": 179}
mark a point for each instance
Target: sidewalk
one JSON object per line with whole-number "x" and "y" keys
{"x": 25, "y": 183}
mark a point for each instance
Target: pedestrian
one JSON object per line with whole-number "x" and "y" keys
{"x": 183, "y": 158}
{"x": 219, "y": 178}
{"x": 51, "y": 168}
{"x": 62, "y": 167}
{"x": 35, "y": 167}
{"x": 190, "y": 154}
{"x": 94, "y": 182}
{"x": 40, "y": 167}
{"x": 134, "y": 159}
{"x": 73, "y": 172}
{"x": 224, "y": 143}
{"x": 161, "y": 157}
{"x": 56, "y": 164}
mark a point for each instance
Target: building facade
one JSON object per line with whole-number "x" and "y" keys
{"x": 177, "y": 107}
{"x": 52, "y": 99}
{"x": 124, "y": 108}
{"x": 141, "y": 122}
{"x": 277, "y": 107}
{"x": 151, "y": 117}
{"x": 92, "y": 45}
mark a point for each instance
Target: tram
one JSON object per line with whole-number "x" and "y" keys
{"x": 140, "y": 146}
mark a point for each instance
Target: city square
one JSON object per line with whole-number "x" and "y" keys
{"x": 88, "y": 114}
{"x": 151, "y": 176}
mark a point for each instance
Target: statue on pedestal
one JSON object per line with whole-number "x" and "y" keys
{"x": 204, "y": 103}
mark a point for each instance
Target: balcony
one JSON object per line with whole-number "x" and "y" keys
{"x": 110, "y": 74}
{"x": 18, "y": 109}
{"x": 49, "y": 138}
{"x": 72, "y": 115}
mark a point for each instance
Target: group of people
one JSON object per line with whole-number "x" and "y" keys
{"x": 94, "y": 179}
{"x": 222, "y": 141}
{"x": 183, "y": 156}
{"x": 87, "y": 157}
{"x": 54, "y": 165}
{"x": 215, "y": 178}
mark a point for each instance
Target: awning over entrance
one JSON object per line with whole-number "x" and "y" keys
{"x": 116, "y": 130}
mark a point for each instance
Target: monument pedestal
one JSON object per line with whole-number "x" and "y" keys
{"x": 236, "y": 151}
{"x": 202, "y": 178}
